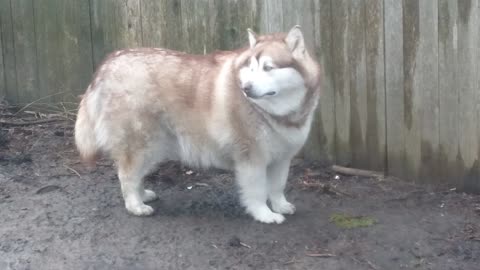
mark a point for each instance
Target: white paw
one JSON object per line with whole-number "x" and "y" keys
{"x": 149, "y": 195}
{"x": 265, "y": 215}
{"x": 283, "y": 207}
{"x": 140, "y": 209}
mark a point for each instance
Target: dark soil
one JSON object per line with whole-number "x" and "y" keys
{"x": 57, "y": 214}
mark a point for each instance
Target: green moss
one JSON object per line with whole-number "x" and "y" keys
{"x": 349, "y": 222}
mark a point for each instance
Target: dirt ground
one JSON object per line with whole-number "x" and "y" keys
{"x": 57, "y": 214}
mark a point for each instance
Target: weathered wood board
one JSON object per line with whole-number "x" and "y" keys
{"x": 468, "y": 28}
{"x": 394, "y": 77}
{"x": 3, "y": 88}
{"x": 400, "y": 81}
{"x": 114, "y": 25}
{"x": 64, "y": 48}
{"x": 271, "y": 16}
{"x": 25, "y": 50}
{"x": 233, "y": 20}
{"x": 449, "y": 130}
{"x": 375, "y": 126}
{"x": 341, "y": 77}
{"x": 8, "y": 51}
{"x": 321, "y": 144}
{"x": 161, "y": 24}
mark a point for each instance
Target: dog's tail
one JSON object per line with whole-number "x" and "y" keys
{"x": 85, "y": 138}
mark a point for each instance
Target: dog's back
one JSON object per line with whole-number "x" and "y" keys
{"x": 142, "y": 97}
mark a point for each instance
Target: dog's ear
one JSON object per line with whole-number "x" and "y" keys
{"x": 252, "y": 38}
{"x": 295, "y": 41}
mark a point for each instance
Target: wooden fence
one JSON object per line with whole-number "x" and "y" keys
{"x": 401, "y": 85}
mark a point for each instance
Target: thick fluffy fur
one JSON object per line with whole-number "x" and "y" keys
{"x": 248, "y": 110}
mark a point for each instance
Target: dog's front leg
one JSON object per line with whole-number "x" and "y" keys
{"x": 277, "y": 174}
{"x": 252, "y": 180}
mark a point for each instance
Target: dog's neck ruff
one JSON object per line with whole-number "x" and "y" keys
{"x": 295, "y": 119}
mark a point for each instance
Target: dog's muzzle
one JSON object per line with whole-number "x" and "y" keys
{"x": 248, "y": 92}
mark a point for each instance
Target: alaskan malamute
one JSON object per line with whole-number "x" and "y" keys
{"x": 248, "y": 110}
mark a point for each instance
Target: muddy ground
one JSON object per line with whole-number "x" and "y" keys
{"x": 56, "y": 214}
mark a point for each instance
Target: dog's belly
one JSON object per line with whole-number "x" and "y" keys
{"x": 195, "y": 153}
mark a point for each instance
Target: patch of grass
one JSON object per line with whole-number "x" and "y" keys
{"x": 349, "y": 222}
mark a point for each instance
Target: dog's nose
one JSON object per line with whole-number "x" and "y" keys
{"x": 247, "y": 88}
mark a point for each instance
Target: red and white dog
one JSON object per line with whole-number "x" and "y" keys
{"x": 248, "y": 110}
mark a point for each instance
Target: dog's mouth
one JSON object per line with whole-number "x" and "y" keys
{"x": 251, "y": 95}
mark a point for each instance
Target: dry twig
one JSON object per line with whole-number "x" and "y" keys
{"x": 37, "y": 101}
{"x": 370, "y": 264}
{"x": 37, "y": 122}
{"x": 373, "y": 266}
{"x": 321, "y": 255}
{"x": 201, "y": 184}
{"x": 244, "y": 245}
{"x": 358, "y": 172}
{"x": 292, "y": 261}
{"x": 326, "y": 188}
{"x": 72, "y": 170}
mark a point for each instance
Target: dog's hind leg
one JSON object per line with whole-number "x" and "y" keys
{"x": 277, "y": 174}
{"x": 131, "y": 171}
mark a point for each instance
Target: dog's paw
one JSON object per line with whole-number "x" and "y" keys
{"x": 283, "y": 207}
{"x": 267, "y": 216}
{"x": 270, "y": 218}
{"x": 149, "y": 195}
{"x": 140, "y": 210}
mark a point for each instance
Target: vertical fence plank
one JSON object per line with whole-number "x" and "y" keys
{"x": 412, "y": 82}
{"x": 64, "y": 47}
{"x": 350, "y": 81}
{"x": 375, "y": 133}
{"x": 115, "y": 25}
{"x": 271, "y": 16}
{"x": 234, "y": 17}
{"x": 300, "y": 12}
{"x": 468, "y": 35}
{"x": 449, "y": 158}
{"x": 48, "y": 47}
{"x": 77, "y": 45}
{"x": 321, "y": 143}
{"x": 161, "y": 24}
{"x": 198, "y": 25}
{"x": 193, "y": 25}
{"x": 8, "y": 48}
{"x": 421, "y": 88}
{"x": 357, "y": 80}
{"x": 427, "y": 78}
{"x": 25, "y": 50}
{"x": 341, "y": 79}
{"x": 394, "y": 77}
{"x": 475, "y": 185}
{"x": 3, "y": 90}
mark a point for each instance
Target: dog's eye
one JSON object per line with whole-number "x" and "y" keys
{"x": 267, "y": 68}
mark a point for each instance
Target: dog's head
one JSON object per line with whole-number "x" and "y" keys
{"x": 277, "y": 71}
